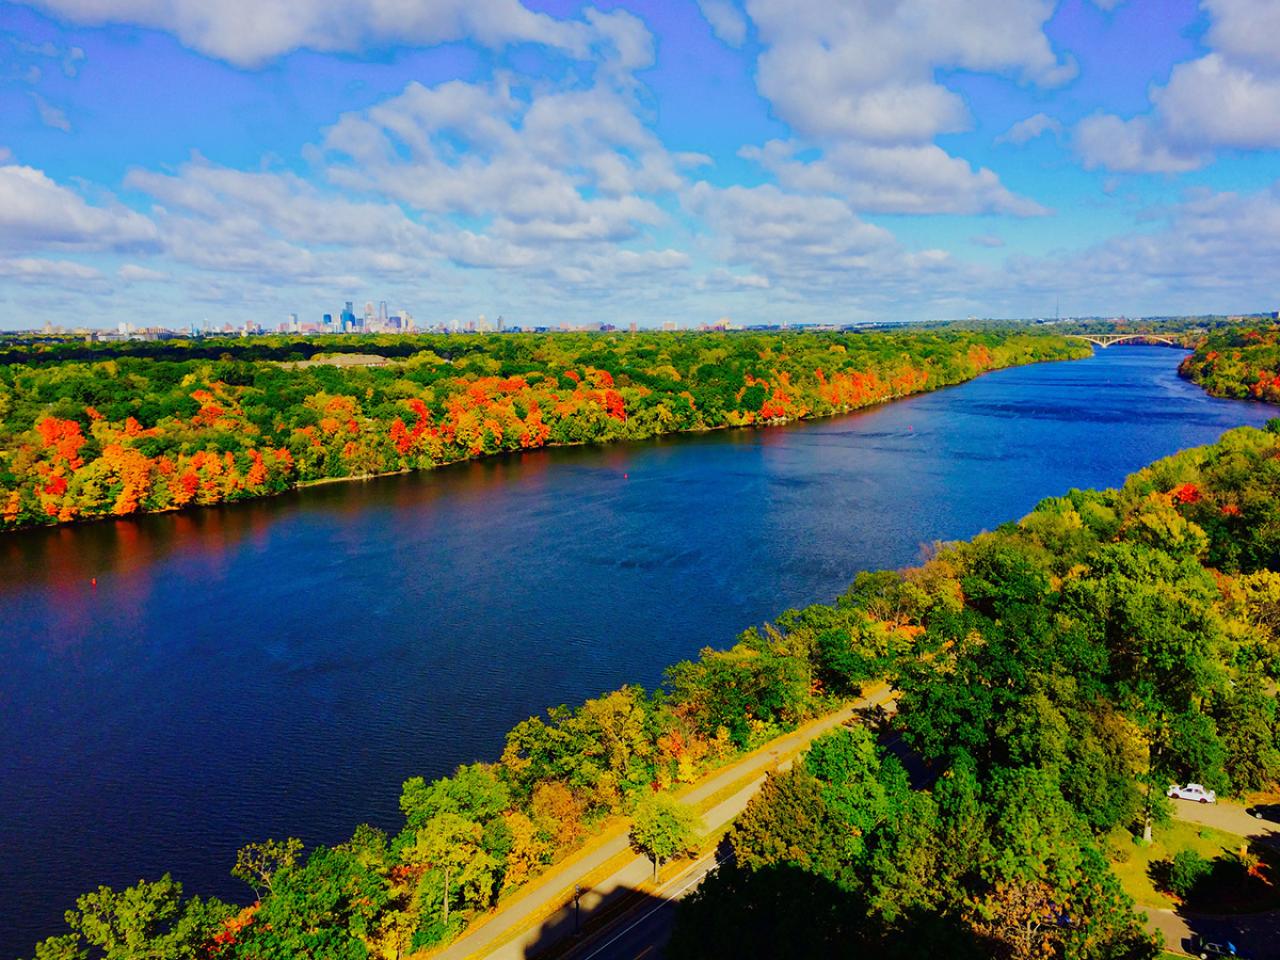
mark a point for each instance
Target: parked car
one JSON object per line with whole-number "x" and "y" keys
{"x": 1193, "y": 791}
{"x": 1204, "y": 949}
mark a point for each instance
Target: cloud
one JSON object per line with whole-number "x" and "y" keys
{"x": 250, "y": 33}
{"x": 1220, "y": 102}
{"x": 1130, "y": 146}
{"x": 61, "y": 274}
{"x": 134, "y": 273}
{"x": 865, "y": 69}
{"x": 1227, "y": 99}
{"x": 1244, "y": 31}
{"x": 573, "y": 165}
{"x": 1214, "y": 250}
{"x": 1024, "y": 131}
{"x": 989, "y": 240}
{"x": 858, "y": 84}
{"x": 71, "y": 61}
{"x": 727, "y": 21}
{"x": 915, "y": 179}
{"x": 37, "y": 213}
{"x": 275, "y": 226}
{"x": 50, "y": 115}
{"x": 803, "y": 247}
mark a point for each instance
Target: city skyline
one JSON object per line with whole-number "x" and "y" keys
{"x": 646, "y": 163}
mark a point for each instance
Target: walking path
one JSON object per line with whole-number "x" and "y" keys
{"x": 544, "y": 912}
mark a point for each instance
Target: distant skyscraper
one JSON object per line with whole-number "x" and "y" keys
{"x": 382, "y": 311}
{"x": 501, "y": 323}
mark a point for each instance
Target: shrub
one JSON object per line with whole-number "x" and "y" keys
{"x": 1186, "y": 869}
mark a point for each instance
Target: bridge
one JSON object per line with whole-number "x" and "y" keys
{"x": 1105, "y": 340}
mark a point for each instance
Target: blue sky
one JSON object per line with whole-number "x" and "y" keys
{"x": 167, "y": 161}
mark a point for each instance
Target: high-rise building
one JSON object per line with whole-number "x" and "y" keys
{"x": 383, "y": 316}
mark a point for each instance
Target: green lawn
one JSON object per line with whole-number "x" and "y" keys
{"x": 1168, "y": 840}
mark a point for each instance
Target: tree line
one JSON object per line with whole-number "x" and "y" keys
{"x": 1056, "y": 674}
{"x": 1242, "y": 363}
{"x": 154, "y": 427}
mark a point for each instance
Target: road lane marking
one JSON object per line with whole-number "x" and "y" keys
{"x": 666, "y": 900}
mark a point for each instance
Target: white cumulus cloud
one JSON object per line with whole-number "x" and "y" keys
{"x": 1024, "y": 131}
{"x": 857, "y": 83}
{"x": 727, "y": 21}
{"x": 249, "y": 33}
{"x": 37, "y": 213}
{"x": 1227, "y": 99}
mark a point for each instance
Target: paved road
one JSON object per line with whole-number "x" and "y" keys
{"x": 1256, "y": 934}
{"x": 557, "y": 885}
{"x": 1225, "y": 816}
{"x": 644, "y": 930}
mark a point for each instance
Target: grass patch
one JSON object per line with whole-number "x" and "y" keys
{"x": 1135, "y": 870}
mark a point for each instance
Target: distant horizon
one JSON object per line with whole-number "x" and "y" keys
{"x": 757, "y": 159}
{"x": 435, "y": 327}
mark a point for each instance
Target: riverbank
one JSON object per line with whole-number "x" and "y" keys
{"x": 1239, "y": 364}
{"x": 86, "y": 441}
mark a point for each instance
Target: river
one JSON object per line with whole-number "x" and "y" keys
{"x": 278, "y": 668}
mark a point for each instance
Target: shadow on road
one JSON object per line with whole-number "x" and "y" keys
{"x": 609, "y": 930}
{"x": 1256, "y": 936}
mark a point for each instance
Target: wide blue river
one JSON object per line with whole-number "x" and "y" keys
{"x": 279, "y": 668}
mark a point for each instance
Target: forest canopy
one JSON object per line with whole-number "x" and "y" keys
{"x": 145, "y": 427}
{"x": 1242, "y": 363}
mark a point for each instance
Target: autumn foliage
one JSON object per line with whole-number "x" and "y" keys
{"x": 130, "y": 434}
{"x": 1243, "y": 364}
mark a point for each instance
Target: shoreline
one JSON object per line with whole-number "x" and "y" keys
{"x": 325, "y": 481}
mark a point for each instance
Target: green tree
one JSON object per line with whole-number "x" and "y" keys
{"x": 258, "y": 863}
{"x": 474, "y": 792}
{"x": 662, "y": 828}
{"x": 149, "y": 919}
{"x": 458, "y": 867}
{"x": 325, "y": 909}
{"x": 860, "y": 788}
{"x": 1246, "y": 721}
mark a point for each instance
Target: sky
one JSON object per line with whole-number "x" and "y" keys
{"x": 838, "y": 161}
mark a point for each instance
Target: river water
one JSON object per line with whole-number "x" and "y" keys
{"x": 278, "y": 668}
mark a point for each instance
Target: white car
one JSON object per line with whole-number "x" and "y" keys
{"x": 1193, "y": 791}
